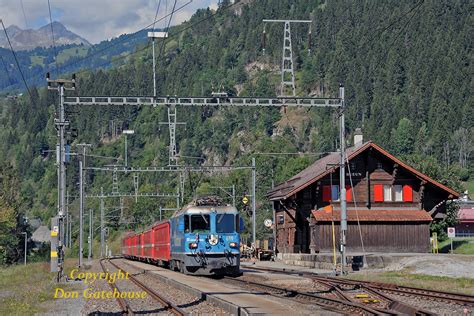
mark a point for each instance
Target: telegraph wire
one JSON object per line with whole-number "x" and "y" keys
{"x": 156, "y": 14}
{"x": 116, "y": 42}
{"x": 164, "y": 42}
{"x": 24, "y": 15}
{"x": 391, "y": 24}
{"x": 52, "y": 36}
{"x": 169, "y": 37}
{"x": 16, "y": 60}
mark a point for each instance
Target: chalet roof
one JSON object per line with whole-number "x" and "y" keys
{"x": 399, "y": 215}
{"x": 320, "y": 168}
{"x": 466, "y": 214}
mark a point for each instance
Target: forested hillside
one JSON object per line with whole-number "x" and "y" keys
{"x": 34, "y": 63}
{"x": 406, "y": 66}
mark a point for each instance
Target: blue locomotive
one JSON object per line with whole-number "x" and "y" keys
{"x": 201, "y": 238}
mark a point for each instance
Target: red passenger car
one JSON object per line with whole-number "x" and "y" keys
{"x": 152, "y": 245}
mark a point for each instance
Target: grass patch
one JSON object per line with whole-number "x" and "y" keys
{"x": 28, "y": 289}
{"x": 461, "y": 245}
{"x": 67, "y": 53}
{"x": 37, "y": 60}
{"x": 406, "y": 278}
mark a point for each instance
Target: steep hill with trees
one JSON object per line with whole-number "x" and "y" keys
{"x": 407, "y": 69}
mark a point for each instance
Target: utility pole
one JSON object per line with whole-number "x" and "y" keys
{"x": 81, "y": 214}
{"x": 60, "y": 85}
{"x": 90, "y": 240}
{"x": 102, "y": 227}
{"x": 68, "y": 232}
{"x": 254, "y": 197}
{"x": 153, "y": 35}
{"x": 342, "y": 182}
{"x": 82, "y": 158}
{"x": 287, "y": 69}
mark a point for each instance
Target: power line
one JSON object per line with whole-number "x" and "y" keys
{"x": 16, "y": 60}
{"x": 156, "y": 14}
{"x": 164, "y": 42}
{"x": 168, "y": 38}
{"x": 24, "y": 15}
{"x": 52, "y": 36}
{"x": 118, "y": 41}
{"x": 391, "y": 24}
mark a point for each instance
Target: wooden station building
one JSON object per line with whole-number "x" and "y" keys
{"x": 390, "y": 205}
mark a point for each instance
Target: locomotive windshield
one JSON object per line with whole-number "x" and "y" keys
{"x": 225, "y": 223}
{"x": 200, "y": 223}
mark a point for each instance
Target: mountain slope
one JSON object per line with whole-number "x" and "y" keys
{"x": 30, "y": 39}
{"x": 406, "y": 67}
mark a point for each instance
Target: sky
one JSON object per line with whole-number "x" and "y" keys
{"x": 97, "y": 20}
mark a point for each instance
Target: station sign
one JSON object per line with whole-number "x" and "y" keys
{"x": 268, "y": 223}
{"x": 451, "y": 232}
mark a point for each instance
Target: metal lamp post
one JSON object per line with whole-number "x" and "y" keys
{"x": 127, "y": 132}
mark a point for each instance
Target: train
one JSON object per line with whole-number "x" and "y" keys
{"x": 202, "y": 238}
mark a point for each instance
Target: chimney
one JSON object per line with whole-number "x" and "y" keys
{"x": 358, "y": 137}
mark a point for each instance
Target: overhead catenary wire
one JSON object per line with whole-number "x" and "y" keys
{"x": 16, "y": 60}
{"x": 24, "y": 15}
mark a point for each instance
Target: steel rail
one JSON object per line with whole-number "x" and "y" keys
{"x": 163, "y": 301}
{"x": 333, "y": 303}
{"x": 462, "y": 299}
{"x": 126, "y": 310}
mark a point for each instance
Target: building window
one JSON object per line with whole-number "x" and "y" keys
{"x": 335, "y": 192}
{"x": 379, "y": 165}
{"x": 281, "y": 219}
{"x": 387, "y": 193}
{"x": 398, "y": 193}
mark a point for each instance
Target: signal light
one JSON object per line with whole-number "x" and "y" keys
{"x": 233, "y": 244}
{"x": 193, "y": 245}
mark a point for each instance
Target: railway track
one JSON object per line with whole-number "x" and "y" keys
{"x": 381, "y": 288}
{"x": 334, "y": 304}
{"x": 126, "y": 309}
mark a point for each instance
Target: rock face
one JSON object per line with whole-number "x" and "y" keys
{"x": 30, "y": 39}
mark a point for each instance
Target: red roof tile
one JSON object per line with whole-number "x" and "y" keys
{"x": 374, "y": 215}
{"x": 466, "y": 215}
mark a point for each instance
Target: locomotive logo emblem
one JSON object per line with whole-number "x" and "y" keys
{"x": 213, "y": 240}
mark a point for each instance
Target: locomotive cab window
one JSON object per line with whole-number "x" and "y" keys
{"x": 186, "y": 223}
{"x": 200, "y": 223}
{"x": 225, "y": 223}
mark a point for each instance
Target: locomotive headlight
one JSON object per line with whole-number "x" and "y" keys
{"x": 233, "y": 244}
{"x": 193, "y": 245}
